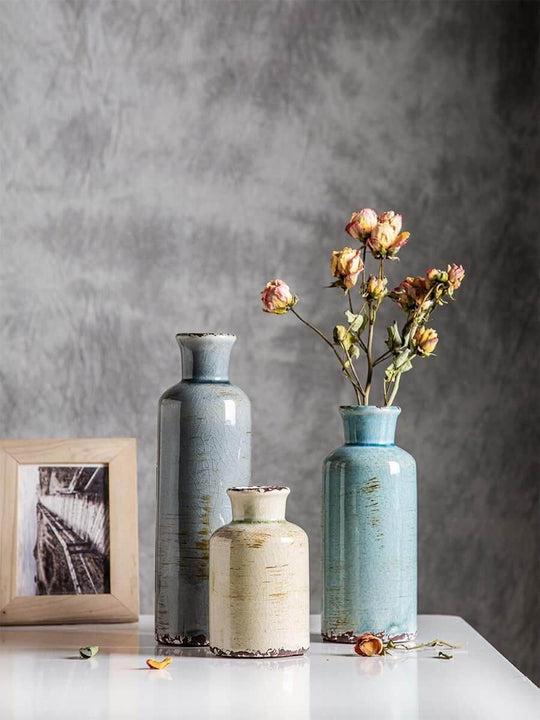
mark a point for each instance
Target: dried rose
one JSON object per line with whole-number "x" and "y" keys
{"x": 425, "y": 341}
{"x": 346, "y": 265}
{"x": 385, "y": 242}
{"x": 277, "y": 297}
{"x": 456, "y": 273}
{"x": 368, "y": 645}
{"x": 362, "y": 223}
{"x": 411, "y": 294}
{"x": 376, "y": 288}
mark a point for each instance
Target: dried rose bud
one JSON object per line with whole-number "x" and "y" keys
{"x": 376, "y": 288}
{"x": 368, "y": 645}
{"x": 456, "y": 273}
{"x": 425, "y": 340}
{"x": 434, "y": 275}
{"x": 346, "y": 265}
{"x": 362, "y": 223}
{"x": 277, "y": 298}
{"x": 340, "y": 334}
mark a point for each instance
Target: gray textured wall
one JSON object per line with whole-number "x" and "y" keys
{"x": 162, "y": 160}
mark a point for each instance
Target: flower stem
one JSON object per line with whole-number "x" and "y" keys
{"x": 369, "y": 351}
{"x": 394, "y": 391}
{"x": 382, "y": 357}
{"x": 357, "y": 389}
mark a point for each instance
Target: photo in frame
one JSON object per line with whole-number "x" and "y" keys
{"x": 68, "y": 535}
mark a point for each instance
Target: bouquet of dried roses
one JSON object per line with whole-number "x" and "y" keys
{"x": 380, "y": 237}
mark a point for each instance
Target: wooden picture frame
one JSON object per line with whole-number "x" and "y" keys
{"x": 121, "y": 604}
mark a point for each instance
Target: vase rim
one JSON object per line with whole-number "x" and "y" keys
{"x": 370, "y": 408}
{"x": 259, "y": 489}
{"x": 205, "y": 334}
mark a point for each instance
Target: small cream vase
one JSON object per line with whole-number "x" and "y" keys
{"x": 259, "y": 579}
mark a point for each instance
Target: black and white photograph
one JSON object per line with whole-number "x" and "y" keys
{"x": 63, "y": 536}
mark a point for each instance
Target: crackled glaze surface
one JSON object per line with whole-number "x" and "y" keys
{"x": 204, "y": 447}
{"x": 259, "y": 579}
{"x": 369, "y": 529}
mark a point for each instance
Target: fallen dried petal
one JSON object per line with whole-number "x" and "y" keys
{"x": 158, "y": 664}
{"x": 88, "y": 652}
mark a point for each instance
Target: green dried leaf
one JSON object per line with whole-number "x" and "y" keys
{"x": 354, "y": 352}
{"x": 357, "y": 323}
{"x": 88, "y": 652}
{"x": 393, "y": 340}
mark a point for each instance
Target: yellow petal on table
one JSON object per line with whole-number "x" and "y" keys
{"x": 158, "y": 664}
{"x": 88, "y": 652}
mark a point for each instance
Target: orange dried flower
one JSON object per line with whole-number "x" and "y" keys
{"x": 368, "y": 645}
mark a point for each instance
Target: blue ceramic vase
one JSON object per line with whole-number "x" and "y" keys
{"x": 204, "y": 447}
{"x": 369, "y": 529}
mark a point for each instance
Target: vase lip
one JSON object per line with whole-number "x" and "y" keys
{"x": 259, "y": 489}
{"x": 204, "y": 334}
{"x": 361, "y": 409}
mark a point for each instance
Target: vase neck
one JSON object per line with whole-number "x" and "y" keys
{"x": 258, "y": 504}
{"x": 369, "y": 425}
{"x": 205, "y": 356}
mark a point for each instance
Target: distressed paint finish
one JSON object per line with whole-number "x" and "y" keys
{"x": 259, "y": 579}
{"x": 369, "y": 531}
{"x": 204, "y": 446}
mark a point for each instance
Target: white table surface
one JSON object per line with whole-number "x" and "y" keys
{"x": 42, "y": 677}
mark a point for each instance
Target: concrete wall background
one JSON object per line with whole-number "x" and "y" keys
{"x": 162, "y": 160}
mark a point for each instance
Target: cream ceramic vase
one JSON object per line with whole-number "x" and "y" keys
{"x": 259, "y": 579}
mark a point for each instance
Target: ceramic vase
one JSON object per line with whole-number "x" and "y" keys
{"x": 259, "y": 579}
{"x": 204, "y": 447}
{"x": 369, "y": 531}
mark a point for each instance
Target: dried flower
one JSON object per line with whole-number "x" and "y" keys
{"x": 418, "y": 296}
{"x": 368, "y": 645}
{"x": 385, "y": 241}
{"x": 456, "y": 273}
{"x": 277, "y": 298}
{"x": 346, "y": 265}
{"x": 362, "y": 223}
{"x": 376, "y": 288}
{"x": 411, "y": 294}
{"x": 425, "y": 341}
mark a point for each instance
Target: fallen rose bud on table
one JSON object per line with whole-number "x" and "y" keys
{"x": 368, "y": 645}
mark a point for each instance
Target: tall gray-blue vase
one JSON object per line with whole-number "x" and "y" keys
{"x": 204, "y": 447}
{"x": 369, "y": 529}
